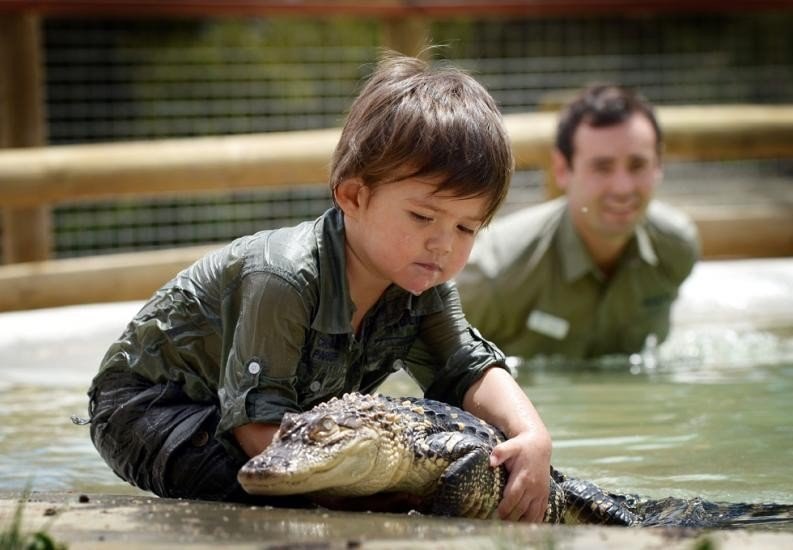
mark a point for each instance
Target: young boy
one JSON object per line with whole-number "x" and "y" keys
{"x": 278, "y": 321}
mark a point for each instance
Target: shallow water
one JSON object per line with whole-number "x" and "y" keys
{"x": 708, "y": 413}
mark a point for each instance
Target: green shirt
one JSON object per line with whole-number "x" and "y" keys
{"x": 263, "y": 326}
{"x": 531, "y": 286}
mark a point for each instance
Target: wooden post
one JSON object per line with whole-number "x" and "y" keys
{"x": 552, "y": 102}
{"x": 406, "y": 35}
{"x": 27, "y": 231}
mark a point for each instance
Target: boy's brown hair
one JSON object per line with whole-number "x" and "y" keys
{"x": 411, "y": 120}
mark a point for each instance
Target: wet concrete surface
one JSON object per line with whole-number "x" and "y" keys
{"x": 86, "y": 521}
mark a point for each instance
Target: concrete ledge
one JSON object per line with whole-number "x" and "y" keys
{"x": 759, "y": 230}
{"x": 107, "y": 521}
{"x": 108, "y": 278}
{"x": 744, "y": 231}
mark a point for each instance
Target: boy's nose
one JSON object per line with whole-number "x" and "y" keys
{"x": 441, "y": 242}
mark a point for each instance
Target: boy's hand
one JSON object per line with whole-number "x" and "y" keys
{"x": 527, "y": 458}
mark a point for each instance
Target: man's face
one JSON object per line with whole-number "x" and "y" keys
{"x": 612, "y": 178}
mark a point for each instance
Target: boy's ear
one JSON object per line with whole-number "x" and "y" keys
{"x": 351, "y": 195}
{"x": 561, "y": 171}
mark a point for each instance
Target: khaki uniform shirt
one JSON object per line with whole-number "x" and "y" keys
{"x": 263, "y": 326}
{"x": 532, "y": 287}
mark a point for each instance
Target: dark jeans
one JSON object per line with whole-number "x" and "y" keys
{"x": 156, "y": 438}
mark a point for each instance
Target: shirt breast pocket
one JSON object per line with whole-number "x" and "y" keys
{"x": 390, "y": 353}
{"x": 322, "y": 377}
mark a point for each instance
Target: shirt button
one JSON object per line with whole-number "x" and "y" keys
{"x": 254, "y": 367}
{"x": 315, "y": 385}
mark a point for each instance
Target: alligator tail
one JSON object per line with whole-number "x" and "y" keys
{"x": 701, "y": 513}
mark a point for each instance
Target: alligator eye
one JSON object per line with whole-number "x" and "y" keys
{"x": 323, "y": 428}
{"x": 328, "y": 424}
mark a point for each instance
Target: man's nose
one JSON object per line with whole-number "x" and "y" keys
{"x": 622, "y": 183}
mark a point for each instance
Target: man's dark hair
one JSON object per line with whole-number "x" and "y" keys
{"x": 599, "y": 106}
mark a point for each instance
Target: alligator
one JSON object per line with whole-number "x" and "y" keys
{"x": 360, "y": 445}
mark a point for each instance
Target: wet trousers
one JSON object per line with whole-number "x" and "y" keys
{"x": 156, "y": 438}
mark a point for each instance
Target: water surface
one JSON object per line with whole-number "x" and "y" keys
{"x": 708, "y": 413}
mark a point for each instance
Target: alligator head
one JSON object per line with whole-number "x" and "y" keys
{"x": 346, "y": 446}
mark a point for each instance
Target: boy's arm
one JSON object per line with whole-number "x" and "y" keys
{"x": 499, "y": 400}
{"x": 254, "y": 437}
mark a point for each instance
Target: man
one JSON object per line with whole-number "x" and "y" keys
{"x": 594, "y": 272}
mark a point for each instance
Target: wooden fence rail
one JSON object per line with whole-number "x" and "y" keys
{"x": 44, "y": 176}
{"x": 48, "y": 175}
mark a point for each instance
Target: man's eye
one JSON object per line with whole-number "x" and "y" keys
{"x": 602, "y": 168}
{"x": 637, "y": 167}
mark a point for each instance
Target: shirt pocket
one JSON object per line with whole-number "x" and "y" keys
{"x": 322, "y": 375}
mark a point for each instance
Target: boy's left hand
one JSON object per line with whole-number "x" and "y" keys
{"x": 527, "y": 457}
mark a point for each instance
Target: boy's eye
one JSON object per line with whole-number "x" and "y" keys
{"x": 467, "y": 230}
{"x": 419, "y": 217}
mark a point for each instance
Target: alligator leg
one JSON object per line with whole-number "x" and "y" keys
{"x": 469, "y": 486}
{"x": 557, "y": 504}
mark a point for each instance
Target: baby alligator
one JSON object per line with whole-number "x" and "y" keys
{"x": 362, "y": 445}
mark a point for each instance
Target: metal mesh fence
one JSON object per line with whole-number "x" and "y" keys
{"x": 128, "y": 79}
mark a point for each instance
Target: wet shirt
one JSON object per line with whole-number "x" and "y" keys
{"x": 532, "y": 287}
{"x": 263, "y": 326}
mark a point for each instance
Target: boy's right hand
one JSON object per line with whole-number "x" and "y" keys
{"x": 527, "y": 458}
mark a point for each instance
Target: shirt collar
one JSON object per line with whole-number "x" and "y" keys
{"x": 396, "y": 300}
{"x": 645, "y": 245}
{"x": 576, "y": 260}
{"x": 335, "y": 307}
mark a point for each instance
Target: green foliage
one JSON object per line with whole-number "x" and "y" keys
{"x": 704, "y": 543}
{"x": 12, "y": 537}
{"x": 241, "y": 75}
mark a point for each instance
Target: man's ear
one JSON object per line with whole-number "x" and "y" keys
{"x": 659, "y": 174}
{"x": 561, "y": 171}
{"x": 351, "y": 195}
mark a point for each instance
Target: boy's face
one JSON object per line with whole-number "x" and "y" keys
{"x": 612, "y": 178}
{"x": 409, "y": 236}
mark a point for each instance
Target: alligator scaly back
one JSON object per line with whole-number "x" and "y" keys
{"x": 361, "y": 445}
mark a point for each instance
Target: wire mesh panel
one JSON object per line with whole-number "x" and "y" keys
{"x": 121, "y": 80}
{"x": 715, "y": 58}
{"x": 147, "y": 79}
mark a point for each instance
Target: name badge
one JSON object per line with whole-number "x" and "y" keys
{"x": 548, "y": 325}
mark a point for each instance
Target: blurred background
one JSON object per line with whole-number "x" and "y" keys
{"x": 119, "y": 75}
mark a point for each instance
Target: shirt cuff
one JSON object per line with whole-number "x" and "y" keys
{"x": 464, "y": 368}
